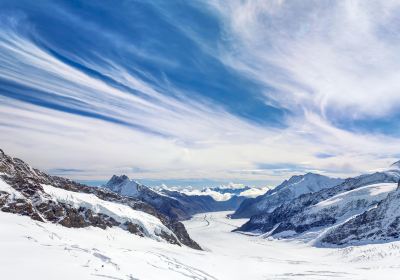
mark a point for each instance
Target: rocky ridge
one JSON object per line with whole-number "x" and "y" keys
{"x": 22, "y": 192}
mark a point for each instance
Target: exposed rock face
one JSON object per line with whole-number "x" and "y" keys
{"x": 302, "y": 213}
{"x": 23, "y": 194}
{"x": 381, "y": 223}
{"x": 287, "y": 191}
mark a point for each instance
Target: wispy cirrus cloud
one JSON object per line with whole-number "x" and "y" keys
{"x": 337, "y": 58}
{"x": 312, "y": 69}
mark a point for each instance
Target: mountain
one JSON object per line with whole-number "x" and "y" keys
{"x": 181, "y": 204}
{"x": 379, "y": 224}
{"x": 169, "y": 206}
{"x": 288, "y": 190}
{"x": 201, "y": 203}
{"x": 315, "y": 214}
{"x": 49, "y": 199}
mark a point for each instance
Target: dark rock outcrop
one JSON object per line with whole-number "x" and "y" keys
{"x": 34, "y": 202}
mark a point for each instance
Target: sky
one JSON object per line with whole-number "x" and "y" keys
{"x": 200, "y": 92}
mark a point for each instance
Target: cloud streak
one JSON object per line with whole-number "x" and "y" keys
{"x": 98, "y": 115}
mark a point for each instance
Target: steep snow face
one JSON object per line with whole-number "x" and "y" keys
{"x": 149, "y": 225}
{"x": 123, "y": 186}
{"x": 332, "y": 212}
{"x": 379, "y": 224}
{"x": 307, "y": 183}
{"x": 370, "y": 194}
{"x": 326, "y": 207}
{"x": 285, "y": 192}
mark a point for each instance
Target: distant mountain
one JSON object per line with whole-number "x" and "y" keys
{"x": 50, "y": 199}
{"x": 353, "y": 210}
{"x": 165, "y": 204}
{"x": 182, "y": 203}
{"x": 287, "y": 191}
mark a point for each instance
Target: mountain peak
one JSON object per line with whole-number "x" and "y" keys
{"x": 395, "y": 165}
{"x": 117, "y": 180}
{"x": 123, "y": 185}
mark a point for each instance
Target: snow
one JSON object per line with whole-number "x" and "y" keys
{"x": 291, "y": 189}
{"x": 127, "y": 187}
{"x": 121, "y": 213}
{"x": 4, "y": 187}
{"x": 215, "y": 195}
{"x": 218, "y": 196}
{"x": 254, "y": 192}
{"x": 308, "y": 183}
{"x": 370, "y": 193}
{"x": 50, "y": 251}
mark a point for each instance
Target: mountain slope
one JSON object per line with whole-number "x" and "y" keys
{"x": 326, "y": 207}
{"x": 167, "y": 205}
{"x": 179, "y": 204}
{"x": 30, "y": 192}
{"x": 288, "y": 190}
{"x": 381, "y": 223}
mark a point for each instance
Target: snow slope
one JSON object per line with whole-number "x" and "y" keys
{"x": 123, "y": 186}
{"x": 353, "y": 197}
{"x": 151, "y": 226}
{"x": 50, "y": 199}
{"x": 50, "y": 251}
{"x": 285, "y": 192}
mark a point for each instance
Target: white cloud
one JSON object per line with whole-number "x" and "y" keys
{"x": 319, "y": 55}
{"x": 184, "y": 138}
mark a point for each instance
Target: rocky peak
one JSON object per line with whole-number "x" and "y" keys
{"x": 117, "y": 180}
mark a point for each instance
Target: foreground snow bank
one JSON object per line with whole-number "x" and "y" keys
{"x": 51, "y": 251}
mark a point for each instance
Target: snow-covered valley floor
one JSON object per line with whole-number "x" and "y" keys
{"x": 33, "y": 250}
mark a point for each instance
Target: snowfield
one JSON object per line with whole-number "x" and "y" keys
{"x": 34, "y": 250}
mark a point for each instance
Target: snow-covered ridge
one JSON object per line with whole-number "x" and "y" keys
{"x": 50, "y": 199}
{"x": 359, "y": 209}
{"x": 370, "y": 193}
{"x": 221, "y": 193}
{"x": 288, "y": 190}
{"x": 182, "y": 203}
{"x": 218, "y": 196}
{"x": 151, "y": 226}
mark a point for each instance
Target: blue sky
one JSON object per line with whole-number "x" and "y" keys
{"x": 200, "y": 91}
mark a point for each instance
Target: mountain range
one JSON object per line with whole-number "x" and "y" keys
{"x": 182, "y": 204}
{"x": 318, "y": 209}
{"x": 358, "y": 210}
{"x": 27, "y": 191}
